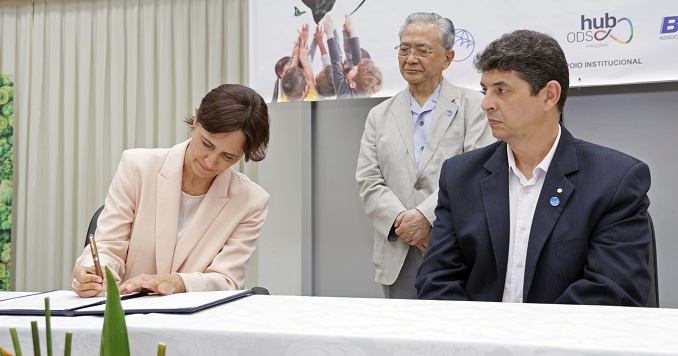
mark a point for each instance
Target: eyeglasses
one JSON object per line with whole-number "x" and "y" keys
{"x": 404, "y": 51}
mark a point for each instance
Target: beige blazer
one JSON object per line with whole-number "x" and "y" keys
{"x": 137, "y": 230}
{"x": 387, "y": 179}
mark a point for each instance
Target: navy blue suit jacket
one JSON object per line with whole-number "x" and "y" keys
{"x": 592, "y": 248}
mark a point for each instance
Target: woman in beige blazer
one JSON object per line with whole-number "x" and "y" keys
{"x": 180, "y": 219}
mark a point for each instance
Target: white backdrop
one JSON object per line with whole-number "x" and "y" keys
{"x": 586, "y": 30}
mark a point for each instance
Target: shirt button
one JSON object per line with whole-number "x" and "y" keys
{"x": 421, "y": 148}
{"x": 523, "y": 227}
{"x": 421, "y": 123}
{"x": 517, "y": 300}
{"x": 520, "y": 264}
{"x": 417, "y": 186}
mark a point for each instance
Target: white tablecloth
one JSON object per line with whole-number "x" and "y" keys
{"x": 300, "y": 326}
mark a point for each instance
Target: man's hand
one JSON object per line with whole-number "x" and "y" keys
{"x": 348, "y": 26}
{"x": 162, "y": 284}
{"x": 303, "y": 52}
{"x": 329, "y": 27}
{"x": 423, "y": 245}
{"x": 295, "y": 49}
{"x": 413, "y": 227}
{"x": 318, "y": 35}
{"x": 303, "y": 34}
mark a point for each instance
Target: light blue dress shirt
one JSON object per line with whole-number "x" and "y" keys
{"x": 422, "y": 117}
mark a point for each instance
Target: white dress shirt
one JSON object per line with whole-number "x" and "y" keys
{"x": 523, "y": 196}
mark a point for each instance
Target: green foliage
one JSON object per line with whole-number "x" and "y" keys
{"x": 5, "y": 237}
{"x": 6, "y": 192}
{"x": 4, "y": 96}
{"x": 8, "y": 109}
{"x": 10, "y": 90}
{"x": 5, "y": 217}
{"x": 4, "y": 276}
{"x": 6, "y": 166}
{"x": 114, "y": 341}
{"x": 6, "y": 79}
{"x": 5, "y": 265}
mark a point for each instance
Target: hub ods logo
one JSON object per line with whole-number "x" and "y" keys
{"x": 600, "y": 30}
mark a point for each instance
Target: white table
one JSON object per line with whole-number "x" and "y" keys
{"x": 290, "y": 325}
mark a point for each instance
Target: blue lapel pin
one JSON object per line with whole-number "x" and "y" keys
{"x": 554, "y": 201}
{"x": 449, "y": 112}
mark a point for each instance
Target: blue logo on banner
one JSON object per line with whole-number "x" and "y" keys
{"x": 669, "y": 24}
{"x": 464, "y": 45}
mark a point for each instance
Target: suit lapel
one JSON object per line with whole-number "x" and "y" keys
{"x": 441, "y": 122}
{"x": 402, "y": 115}
{"x": 496, "y": 201}
{"x": 168, "y": 182}
{"x": 546, "y": 215}
{"x": 215, "y": 200}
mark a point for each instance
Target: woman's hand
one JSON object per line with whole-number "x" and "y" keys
{"x": 86, "y": 283}
{"x": 162, "y": 284}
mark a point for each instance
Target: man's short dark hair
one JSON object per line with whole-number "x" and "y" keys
{"x": 535, "y": 57}
{"x": 233, "y": 107}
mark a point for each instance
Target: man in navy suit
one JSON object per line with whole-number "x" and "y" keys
{"x": 538, "y": 217}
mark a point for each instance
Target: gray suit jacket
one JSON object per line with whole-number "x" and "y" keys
{"x": 387, "y": 179}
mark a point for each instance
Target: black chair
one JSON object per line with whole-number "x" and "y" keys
{"x": 260, "y": 291}
{"x": 93, "y": 224}
{"x": 653, "y": 298}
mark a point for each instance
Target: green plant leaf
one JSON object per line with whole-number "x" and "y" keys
{"x": 48, "y": 326}
{"x": 161, "y": 348}
{"x": 67, "y": 346}
{"x": 114, "y": 341}
{"x": 36, "y": 338}
{"x": 15, "y": 341}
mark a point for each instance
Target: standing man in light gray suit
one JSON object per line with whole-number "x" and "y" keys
{"x": 405, "y": 142}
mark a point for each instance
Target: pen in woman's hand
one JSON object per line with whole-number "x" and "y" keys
{"x": 95, "y": 256}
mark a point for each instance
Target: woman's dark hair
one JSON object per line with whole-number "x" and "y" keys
{"x": 233, "y": 107}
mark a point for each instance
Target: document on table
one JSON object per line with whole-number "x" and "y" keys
{"x": 181, "y": 303}
{"x": 12, "y": 295}
{"x": 61, "y": 302}
{"x": 67, "y": 303}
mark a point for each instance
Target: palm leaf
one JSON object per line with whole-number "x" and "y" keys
{"x": 114, "y": 341}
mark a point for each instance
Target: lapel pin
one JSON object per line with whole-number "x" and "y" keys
{"x": 450, "y": 112}
{"x": 554, "y": 201}
{"x": 559, "y": 190}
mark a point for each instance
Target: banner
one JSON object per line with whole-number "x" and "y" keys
{"x": 6, "y": 143}
{"x": 605, "y": 43}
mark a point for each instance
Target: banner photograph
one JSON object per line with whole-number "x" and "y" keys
{"x": 347, "y": 48}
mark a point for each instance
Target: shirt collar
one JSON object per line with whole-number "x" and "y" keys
{"x": 541, "y": 168}
{"x": 429, "y": 105}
